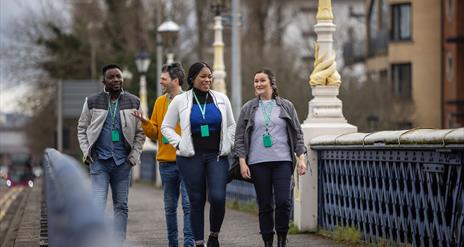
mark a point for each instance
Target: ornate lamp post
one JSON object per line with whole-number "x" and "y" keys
{"x": 142, "y": 62}
{"x": 169, "y": 31}
{"x": 219, "y": 72}
{"x": 325, "y": 115}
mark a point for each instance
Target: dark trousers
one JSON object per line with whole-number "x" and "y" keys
{"x": 269, "y": 177}
{"x": 205, "y": 170}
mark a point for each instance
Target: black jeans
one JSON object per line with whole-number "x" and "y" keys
{"x": 268, "y": 177}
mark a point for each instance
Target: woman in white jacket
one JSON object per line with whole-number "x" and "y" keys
{"x": 207, "y": 135}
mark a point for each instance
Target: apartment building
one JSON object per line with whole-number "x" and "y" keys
{"x": 404, "y": 49}
{"x": 453, "y": 63}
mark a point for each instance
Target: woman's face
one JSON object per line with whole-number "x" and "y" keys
{"x": 203, "y": 80}
{"x": 262, "y": 85}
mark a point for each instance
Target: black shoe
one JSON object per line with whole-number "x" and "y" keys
{"x": 268, "y": 239}
{"x": 268, "y": 243}
{"x": 212, "y": 242}
{"x": 281, "y": 239}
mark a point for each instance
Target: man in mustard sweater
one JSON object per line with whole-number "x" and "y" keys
{"x": 172, "y": 77}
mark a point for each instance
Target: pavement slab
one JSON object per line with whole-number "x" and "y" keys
{"x": 147, "y": 227}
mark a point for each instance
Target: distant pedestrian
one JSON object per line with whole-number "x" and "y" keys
{"x": 267, "y": 138}
{"x": 111, "y": 141}
{"x": 207, "y": 136}
{"x": 172, "y": 78}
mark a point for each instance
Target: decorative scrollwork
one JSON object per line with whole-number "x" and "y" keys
{"x": 325, "y": 70}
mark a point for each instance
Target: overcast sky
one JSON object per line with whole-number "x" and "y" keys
{"x": 11, "y": 91}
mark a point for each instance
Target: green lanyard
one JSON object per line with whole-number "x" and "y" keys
{"x": 202, "y": 110}
{"x": 114, "y": 132}
{"x": 267, "y": 110}
{"x": 113, "y": 112}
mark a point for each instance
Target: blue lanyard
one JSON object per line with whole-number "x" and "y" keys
{"x": 202, "y": 110}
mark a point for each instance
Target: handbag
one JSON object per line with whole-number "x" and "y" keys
{"x": 235, "y": 174}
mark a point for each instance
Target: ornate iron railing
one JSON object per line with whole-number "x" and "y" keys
{"x": 403, "y": 193}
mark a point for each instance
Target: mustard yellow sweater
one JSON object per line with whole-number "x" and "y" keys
{"x": 152, "y": 129}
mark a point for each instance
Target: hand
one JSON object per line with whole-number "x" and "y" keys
{"x": 244, "y": 169}
{"x": 139, "y": 115}
{"x": 302, "y": 165}
{"x": 87, "y": 161}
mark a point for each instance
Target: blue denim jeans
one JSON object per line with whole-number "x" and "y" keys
{"x": 104, "y": 173}
{"x": 205, "y": 170}
{"x": 272, "y": 182}
{"x": 172, "y": 187}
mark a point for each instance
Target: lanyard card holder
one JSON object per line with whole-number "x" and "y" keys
{"x": 267, "y": 141}
{"x": 204, "y": 130}
{"x": 115, "y": 135}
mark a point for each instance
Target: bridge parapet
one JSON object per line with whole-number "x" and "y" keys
{"x": 403, "y": 138}
{"x": 403, "y": 186}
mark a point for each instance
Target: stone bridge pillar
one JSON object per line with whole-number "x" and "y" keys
{"x": 325, "y": 117}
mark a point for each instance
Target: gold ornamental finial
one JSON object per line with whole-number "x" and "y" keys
{"x": 324, "y": 10}
{"x": 325, "y": 70}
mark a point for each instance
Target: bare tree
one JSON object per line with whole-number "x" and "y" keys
{"x": 371, "y": 106}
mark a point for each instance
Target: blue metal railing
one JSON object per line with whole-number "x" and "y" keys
{"x": 72, "y": 216}
{"x": 240, "y": 191}
{"x": 388, "y": 189}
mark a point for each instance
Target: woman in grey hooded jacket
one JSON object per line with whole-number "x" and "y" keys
{"x": 267, "y": 137}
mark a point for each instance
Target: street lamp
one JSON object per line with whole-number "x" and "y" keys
{"x": 219, "y": 73}
{"x": 169, "y": 31}
{"x": 142, "y": 61}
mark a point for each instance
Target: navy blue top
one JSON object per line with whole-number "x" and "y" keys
{"x": 213, "y": 119}
{"x": 105, "y": 148}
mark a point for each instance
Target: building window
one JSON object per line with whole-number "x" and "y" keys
{"x": 401, "y": 22}
{"x": 449, "y": 9}
{"x": 449, "y": 66}
{"x": 401, "y": 80}
{"x": 377, "y": 27}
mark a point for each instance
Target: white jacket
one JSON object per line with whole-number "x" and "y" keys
{"x": 179, "y": 111}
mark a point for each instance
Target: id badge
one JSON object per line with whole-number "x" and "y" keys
{"x": 115, "y": 135}
{"x": 204, "y": 130}
{"x": 267, "y": 141}
{"x": 165, "y": 140}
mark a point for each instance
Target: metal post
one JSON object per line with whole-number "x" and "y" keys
{"x": 159, "y": 50}
{"x": 219, "y": 73}
{"x": 143, "y": 94}
{"x": 236, "y": 69}
{"x": 59, "y": 116}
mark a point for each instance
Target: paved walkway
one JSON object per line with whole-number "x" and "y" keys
{"x": 146, "y": 226}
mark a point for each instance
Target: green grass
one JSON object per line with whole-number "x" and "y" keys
{"x": 343, "y": 234}
{"x": 353, "y": 237}
{"x": 293, "y": 229}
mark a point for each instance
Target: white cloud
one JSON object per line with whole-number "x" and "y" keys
{"x": 10, "y": 97}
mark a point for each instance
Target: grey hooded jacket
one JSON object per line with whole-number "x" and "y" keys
{"x": 245, "y": 126}
{"x": 93, "y": 116}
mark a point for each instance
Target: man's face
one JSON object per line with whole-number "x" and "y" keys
{"x": 113, "y": 80}
{"x": 167, "y": 82}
